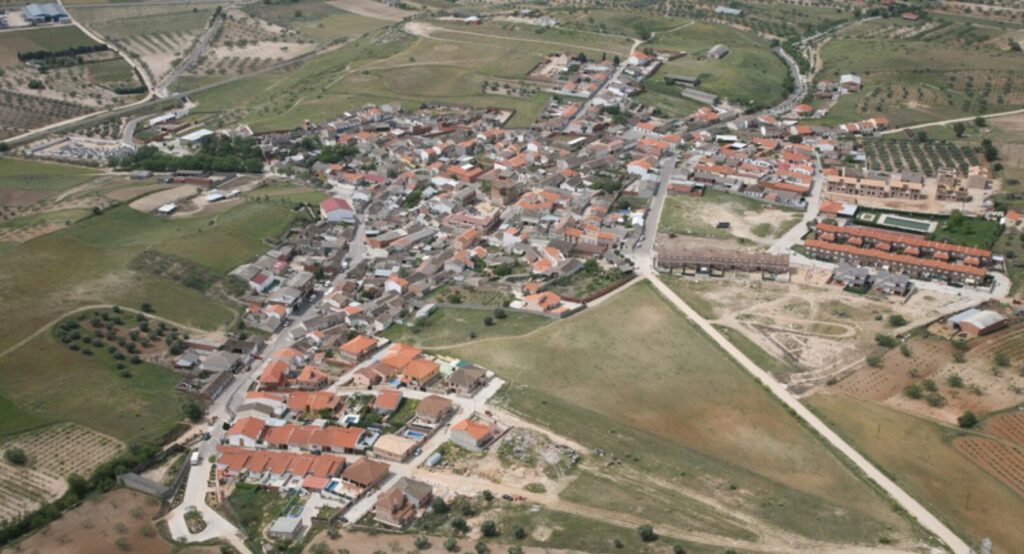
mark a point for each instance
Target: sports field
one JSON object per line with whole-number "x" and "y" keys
{"x": 686, "y": 420}
{"x": 920, "y": 456}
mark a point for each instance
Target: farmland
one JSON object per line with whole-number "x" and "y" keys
{"x": 587, "y": 355}
{"x": 920, "y": 455}
{"x": 912, "y": 79}
{"x": 919, "y": 157}
{"x": 77, "y": 85}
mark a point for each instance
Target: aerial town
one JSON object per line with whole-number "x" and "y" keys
{"x": 476, "y": 276}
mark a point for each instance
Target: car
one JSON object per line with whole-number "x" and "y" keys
{"x": 508, "y": 497}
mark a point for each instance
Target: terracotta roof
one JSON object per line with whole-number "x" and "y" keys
{"x": 365, "y": 472}
{"x": 898, "y": 258}
{"x": 904, "y": 238}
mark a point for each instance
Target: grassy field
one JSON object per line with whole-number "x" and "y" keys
{"x": 110, "y": 71}
{"x": 24, "y": 174}
{"x": 917, "y": 453}
{"x": 453, "y": 325}
{"x": 87, "y": 264}
{"x": 756, "y": 354}
{"x": 45, "y": 382}
{"x": 750, "y": 74}
{"x": 728, "y": 438}
{"x": 317, "y": 20}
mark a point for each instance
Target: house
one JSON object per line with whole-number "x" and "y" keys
{"x": 718, "y": 52}
{"x": 357, "y": 349}
{"x": 363, "y": 475}
{"x": 387, "y": 401}
{"x": 247, "y": 432}
{"x": 466, "y": 380}
{"x": 420, "y": 372}
{"x": 397, "y": 506}
{"x": 373, "y": 374}
{"x": 850, "y": 275}
{"x": 473, "y": 435}
{"x": 337, "y": 210}
{"x": 434, "y": 410}
{"x": 893, "y": 283}
{"x": 977, "y": 322}
{"x": 311, "y": 379}
{"x": 394, "y": 448}
{"x": 850, "y": 82}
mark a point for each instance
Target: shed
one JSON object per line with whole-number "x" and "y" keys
{"x": 977, "y": 322}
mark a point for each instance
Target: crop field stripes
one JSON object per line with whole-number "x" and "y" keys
{"x": 1008, "y": 426}
{"x": 1004, "y": 462}
{"x": 920, "y": 157}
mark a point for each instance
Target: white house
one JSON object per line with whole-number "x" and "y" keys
{"x": 337, "y": 210}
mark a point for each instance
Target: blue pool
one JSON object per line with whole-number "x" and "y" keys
{"x": 415, "y": 434}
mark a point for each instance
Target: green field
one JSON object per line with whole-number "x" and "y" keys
{"x": 686, "y": 420}
{"x": 45, "y": 382}
{"x": 918, "y": 455}
{"x": 30, "y": 175}
{"x": 111, "y": 71}
{"x": 317, "y": 20}
{"x": 453, "y": 325}
{"x": 87, "y": 264}
{"x": 749, "y": 74}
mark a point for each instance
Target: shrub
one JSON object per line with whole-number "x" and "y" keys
{"x": 935, "y": 400}
{"x": 913, "y": 391}
{"x": 967, "y": 420}
{"x": 886, "y": 340}
{"x": 16, "y": 456}
{"x": 896, "y": 320}
{"x": 955, "y": 381}
{"x": 874, "y": 361}
{"x": 451, "y": 545}
{"x": 1002, "y": 359}
{"x": 489, "y": 528}
{"x": 488, "y": 321}
{"x": 646, "y": 533}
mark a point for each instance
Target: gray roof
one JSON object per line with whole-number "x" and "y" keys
{"x": 978, "y": 318}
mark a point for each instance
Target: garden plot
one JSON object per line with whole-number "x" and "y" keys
{"x": 66, "y": 448}
{"x": 23, "y": 489}
{"x": 1003, "y": 462}
{"x": 246, "y": 44}
{"x": 1008, "y": 426}
{"x": 919, "y": 157}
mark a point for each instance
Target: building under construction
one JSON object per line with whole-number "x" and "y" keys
{"x": 675, "y": 255}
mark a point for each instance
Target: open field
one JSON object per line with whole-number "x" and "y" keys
{"x": 87, "y": 264}
{"x": 54, "y": 384}
{"x": 918, "y": 157}
{"x": 744, "y": 443}
{"x": 33, "y": 176}
{"x": 453, "y": 325}
{"x": 750, "y": 221}
{"x": 320, "y": 21}
{"x": 750, "y": 74}
{"x": 920, "y": 456}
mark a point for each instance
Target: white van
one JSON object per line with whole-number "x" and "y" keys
{"x": 194, "y": 459}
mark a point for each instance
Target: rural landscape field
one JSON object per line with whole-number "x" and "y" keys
{"x": 366, "y": 276}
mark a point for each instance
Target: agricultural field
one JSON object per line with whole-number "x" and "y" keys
{"x": 923, "y": 457}
{"x": 1008, "y": 426}
{"x": 157, "y": 35}
{"x": 750, "y": 75}
{"x": 750, "y": 222}
{"x": 744, "y": 450}
{"x": 75, "y": 85}
{"x": 316, "y": 20}
{"x": 919, "y": 157}
{"x": 913, "y": 79}
{"x": 448, "y": 326}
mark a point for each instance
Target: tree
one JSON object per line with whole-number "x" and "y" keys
{"x": 193, "y": 411}
{"x": 451, "y": 545}
{"x": 646, "y": 533}
{"x": 913, "y": 392}
{"x": 959, "y": 129}
{"x": 678, "y": 549}
{"x": 481, "y": 548}
{"x": 980, "y": 121}
{"x": 488, "y": 321}
{"x": 500, "y": 313}
{"x": 955, "y": 381}
{"x": 421, "y": 543}
{"x": 905, "y": 350}
{"x": 16, "y": 456}
{"x": 489, "y": 528}
{"x": 147, "y": 307}
{"x": 78, "y": 485}
{"x": 886, "y": 340}
{"x": 519, "y": 532}
{"x": 438, "y": 505}
{"x": 874, "y": 361}
{"x": 921, "y": 136}
{"x": 488, "y": 495}
{"x": 459, "y": 524}
{"x": 967, "y": 420}
{"x": 515, "y": 549}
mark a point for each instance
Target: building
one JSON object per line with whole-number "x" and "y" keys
{"x": 397, "y": 506}
{"x": 45, "y": 13}
{"x": 466, "y": 381}
{"x": 337, "y": 210}
{"x": 674, "y": 255}
{"x": 362, "y": 475}
{"x": 286, "y": 528}
{"x": 433, "y": 410}
{"x": 917, "y": 267}
{"x": 977, "y": 322}
{"x": 357, "y": 349}
{"x": 718, "y": 52}
{"x": 393, "y": 448}
{"x": 473, "y": 435}
{"x": 726, "y": 10}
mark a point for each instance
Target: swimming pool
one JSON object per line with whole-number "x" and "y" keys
{"x": 414, "y": 434}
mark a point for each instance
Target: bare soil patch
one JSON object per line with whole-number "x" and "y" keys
{"x": 153, "y": 201}
{"x": 1003, "y": 462}
{"x": 371, "y": 8}
{"x": 1008, "y": 426}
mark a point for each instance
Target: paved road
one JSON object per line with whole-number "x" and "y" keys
{"x": 794, "y": 235}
